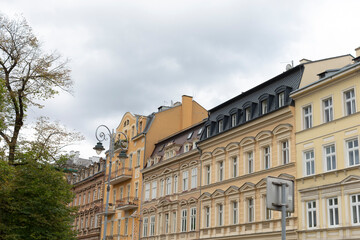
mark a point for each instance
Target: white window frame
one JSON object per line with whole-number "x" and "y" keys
{"x": 194, "y": 178}
{"x": 208, "y": 174}
{"x": 162, "y": 187}
{"x": 183, "y": 220}
{"x": 235, "y": 168}
{"x": 354, "y": 150}
{"x": 145, "y": 227}
{"x": 267, "y": 156}
{"x": 221, "y": 171}
{"x": 355, "y": 205}
{"x": 250, "y": 161}
{"x": 351, "y": 100}
{"x": 328, "y": 111}
{"x": 333, "y": 211}
{"x": 281, "y": 99}
{"x": 185, "y": 180}
{"x": 311, "y": 214}
{"x": 152, "y": 225}
{"x": 247, "y": 114}
{"x": 250, "y": 209}
{"x": 307, "y": 117}
{"x": 330, "y": 163}
{"x": 235, "y": 212}
{"x": 220, "y": 214}
{"x": 285, "y": 151}
{"x": 175, "y": 183}
{"x": 264, "y": 106}
{"x": 193, "y": 219}
{"x": 267, "y": 212}
{"x": 138, "y": 155}
{"x": 166, "y": 219}
{"x": 173, "y": 222}
{"x": 208, "y": 131}
{"x": 147, "y": 192}
{"x": 207, "y": 216}
{"x": 309, "y": 162}
{"x": 233, "y": 120}
{"x": 220, "y": 125}
{"x": 168, "y": 185}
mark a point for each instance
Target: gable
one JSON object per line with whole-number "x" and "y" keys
{"x": 247, "y": 140}
{"x": 218, "y": 151}
{"x": 205, "y": 196}
{"x": 205, "y": 155}
{"x": 263, "y": 135}
{"x": 232, "y": 146}
{"x": 261, "y": 183}
{"x": 247, "y": 187}
{"x": 282, "y": 128}
{"x": 232, "y": 190}
{"x": 217, "y": 193}
{"x": 351, "y": 179}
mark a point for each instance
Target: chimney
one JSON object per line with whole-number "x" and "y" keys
{"x": 357, "y": 51}
{"x": 186, "y": 111}
{"x": 304, "y": 60}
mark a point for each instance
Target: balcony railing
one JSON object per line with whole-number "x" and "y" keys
{"x": 120, "y": 175}
{"x": 127, "y": 203}
{"x": 111, "y": 209}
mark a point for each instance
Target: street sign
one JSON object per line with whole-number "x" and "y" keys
{"x": 274, "y": 193}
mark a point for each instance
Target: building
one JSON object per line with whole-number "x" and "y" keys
{"x": 126, "y": 179}
{"x": 246, "y": 139}
{"x": 88, "y": 187}
{"x": 171, "y": 187}
{"x": 327, "y": 152}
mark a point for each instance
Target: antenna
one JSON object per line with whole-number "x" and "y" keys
{"x": 288, "y": 67}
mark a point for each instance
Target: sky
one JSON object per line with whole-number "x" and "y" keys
{"x": 134, "y": 56}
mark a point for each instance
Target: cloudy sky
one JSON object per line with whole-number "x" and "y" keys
{"x": 137, "y": 55}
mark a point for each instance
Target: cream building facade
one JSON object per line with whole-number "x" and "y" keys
{"x": 327, "y": 152}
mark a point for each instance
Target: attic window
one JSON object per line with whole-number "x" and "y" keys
{"x": 162, "y": 148}
{"x": 200, "y": 131}
{"x": 190, "y": 135}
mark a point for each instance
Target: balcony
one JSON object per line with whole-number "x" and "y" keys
{"x": 111, "y": 209}
{"x": 120, "y": 175}
{"x": 127, "y": 203}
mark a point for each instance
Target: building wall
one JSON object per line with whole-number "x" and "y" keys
{"x": 268, "y": 131}
{"x": 343, "y": 181}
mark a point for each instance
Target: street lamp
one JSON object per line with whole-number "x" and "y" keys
{"x": 111, "y": 135}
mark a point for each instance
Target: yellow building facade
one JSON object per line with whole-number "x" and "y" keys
{"x": 125, "y": 177}
{"x": 327, "y": 153}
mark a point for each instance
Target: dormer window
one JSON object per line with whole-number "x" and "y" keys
{"x": 200, "y": 131}
{"x": 208, "y": 131}
{"x": 281, "y": 99}
{"x": 187, "y": 147}
{"x": 247, "y": 114}
{"x": 264, "y": 106}
{"x": 233, "y": 120}
{"x": 220, "y": 125}
{"x": 190, "y": 135}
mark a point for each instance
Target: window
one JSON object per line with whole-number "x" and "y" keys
{"x": 161, "y": 187}
{"x": 311, "y": 214}
{"x": 352, "y": 147}
{"x": 147, "y": 192}
{"x": 114, "y": 196}
{"x": 333, "y": 212}
{"x": 233, "y": 120}
{"x": 266, "y": 152}
{"x": 128, "y": 191}
{"x": 194, "y": 178}
{"x": 235, "y": 212}
{"x": 130, "y": 161}
{"x": 84, "y": 198}
{"x": 119, "y": 226}
{"x": 221, "y": 170}
{"x": 138, "y": 158}
{"x": 330, "y": 157}
{"x": 185, "y": 180}
{"x": 132, "y": 131}
{"x": 192, "y": 219}
{"x": 140, "y": 127}
{"x": 247, "y": 114}
{"x": 183, "y": 220}
{"x": 250, "y": 162}
{"x": 267, "y": 212}
{"x": 281, "y": 99}
{"x": 349, "y": 98}
{"x": 309, "y": 163}
{"x": 99, "y": 193}
{"x": 89, "y": 197}
{"x": 200, "y": 131}
{"x": 234, "y": 167}
{"x": 264, "y": 107}
{"x": 221, "y": 125}
{"x": 166, "y": 223}
{"x": 136, "y": 189}
{"x": 250, "y": 205}
{"x": 328, "y": 110}
{"x": 208, "y": 131}
{"x": 186, "y": 148}
{"x": 94, "y": 195}
{"x": 153, "y": 190}
{"x": 174, "y": 222}
{"x": 220, "y": 214}
{"x": 126, "y": 226}
{"x": 152, "y": 226}
{"x": 207, "y": 216}
{"x": 285, "y": 152}
{"x": 168, "y": 186}
{"x": 307, "y": 114}
{"x": 207, "y": 174}
{"x": 175, "y": 184}
{"x": 355, "y": 209}
{"x": 75, "y": 202}
{"x": 190, "y": 135}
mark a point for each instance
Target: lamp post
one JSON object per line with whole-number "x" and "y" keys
{"x": 103, "y": 136}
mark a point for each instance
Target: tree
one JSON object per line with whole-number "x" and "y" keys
{"x": 27, "y": 75}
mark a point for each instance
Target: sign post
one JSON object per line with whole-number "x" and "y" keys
{"x": 280, "y": 197}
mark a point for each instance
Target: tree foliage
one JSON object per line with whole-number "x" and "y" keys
{"x": 27, "y": 75}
